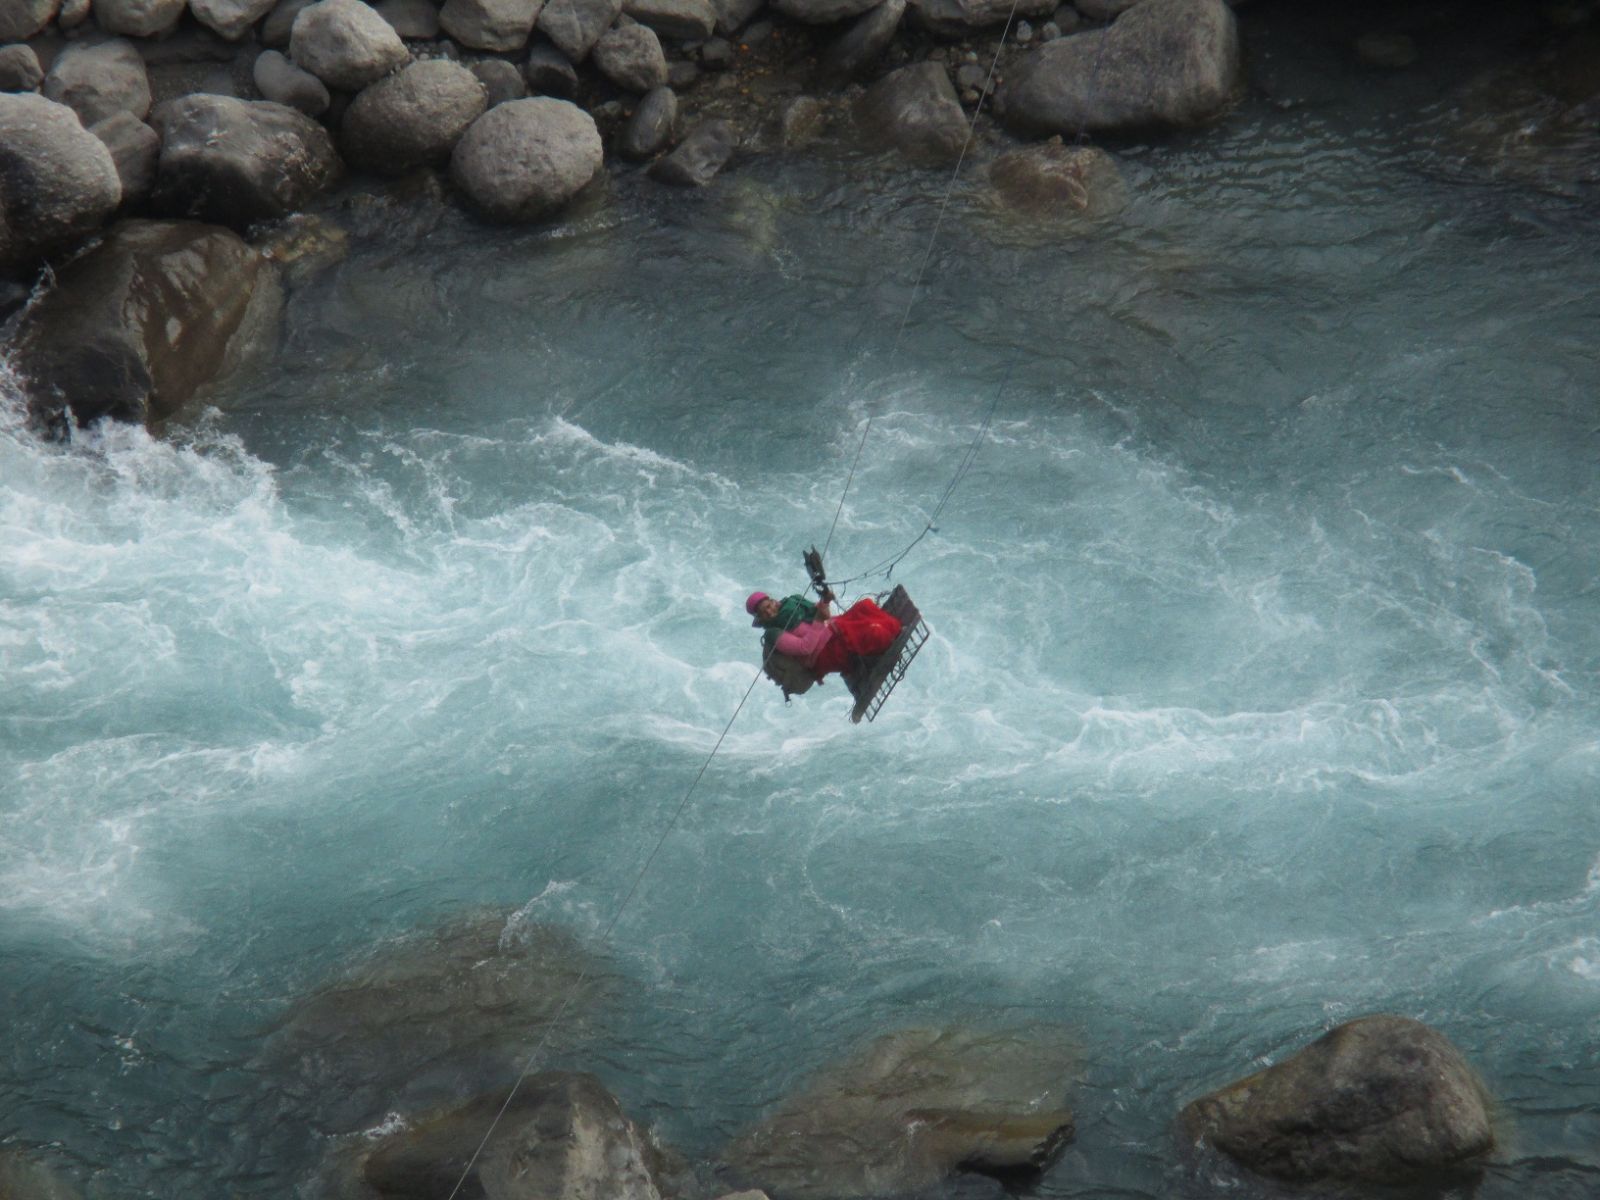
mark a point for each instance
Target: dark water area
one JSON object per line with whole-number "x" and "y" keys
{"x": 1262, "y": 692}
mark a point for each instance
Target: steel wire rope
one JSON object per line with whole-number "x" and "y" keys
{"x": 905, "y": 316}
{"x": 683, "y": 804}
{"x": 605, "y": 936}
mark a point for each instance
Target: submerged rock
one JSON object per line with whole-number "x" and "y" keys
{"x": 1379, "y": 1100}
{"x": 1164, "y": 64}
{"x": 133, "y": 329}
{"x": 60, "y": 180}
{"x": 699, "y": 156}
{"x": 239, "y": 161}
{"x": 963, "y": 18}
{"x": 25, "y": 1178}
{"x": 426, "y": 1019}
{"x": 1053, "y": 179}
{"x": 916, "y": 1107}
{"x": 562, "y": 1135}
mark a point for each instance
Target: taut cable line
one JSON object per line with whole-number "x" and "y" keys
{"x": 683, "y": 804}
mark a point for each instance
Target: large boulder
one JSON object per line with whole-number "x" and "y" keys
{"x": 135, "y": 327}
{"x": 495, "y": 25}
{"x": 21, "y": 19}
{"x": 138, "y": 18}
{"x": 822, "y": 12}
{"x": 631, "y": 57}
{"x": 679, "y": 20}
{"x": 425, "y": 1011}
{"x": 915, "y": 111}
{"x": 858, "y": 49}
{"x": 576, "y": 25}
{"x": 699, "y": 156}
{"x": 1164, "y": 64}
{"x": 913, "y": 1108}
{"x": 239, "y": 161}
{"x": 345, "y": 43}
{"x": 58, "y": 181}
{"x": 562, "y": 1134}
{"x": 231, "y": 19}
{"x": 963, "y": 18}
{"x": 412, "y": 119}
{"x": 98, "y": 80}
{"x": 1379, "y": 1100}
{"x": 523, "y": 160}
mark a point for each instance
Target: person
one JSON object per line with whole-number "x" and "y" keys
{"x": 822, "y": 642}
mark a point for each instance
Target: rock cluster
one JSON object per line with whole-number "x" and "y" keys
{"x": 237, "y": 111}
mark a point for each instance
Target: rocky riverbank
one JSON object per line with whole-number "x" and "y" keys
{"x": 199, "y": 125}
{"x": 224, "y": 118}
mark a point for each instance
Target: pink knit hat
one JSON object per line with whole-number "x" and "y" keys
{"x": 750, "y": 604}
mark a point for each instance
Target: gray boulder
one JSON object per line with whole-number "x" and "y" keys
{"x": 549, "y": 73}
{"x": 699, "y": 156}
{"x": 962, "y": 18}
{"x": 1378, "y": 1100}
{"x": 73, "y": 13}
{"x": 135, "y": 327}
{"x": 1164, "y": 64}
{"x": 523, "y": 160}
{"x": 345, "y": 44}
{"x": 822, "y": 12}
{"x": 138, "y": 18}
{"x": 1103, "y": 10}
{"x": 1053, "y": 179}
{"x": 913, "y": 1109}
{"x": 60, "y": 180}
{"x": 678, "y": 20}
{"x": 562, "y": 1134}
{"x": 734, "y": 15}
{"x": 280, "y": 81}
{"x": 631, "y": 57}
{"x": 501, "y": 80}
{"x": 98, "y": 80}
{"x": 412, "y": 119}
{"x": 858, "y": 49}
{"x": 576, "y": 25}
{"x": 649, "y": 130}
{"x": 239, "y": 161}
{"x": 21, "y": 19}
{"x": 19, "y": 69}
{"x": 279, "y": 25}
{"x": 135, "y": 148}
{"x": 413, "y": 20}
{"x": 497, "y": 25}
{"x": 914, "y": 110}
{"x": 231, "y": 19}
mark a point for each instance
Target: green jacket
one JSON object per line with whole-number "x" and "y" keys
{"x": 792, "y": 611}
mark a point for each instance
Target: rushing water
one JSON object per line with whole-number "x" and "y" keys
{"x": 1262, "y": 690}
